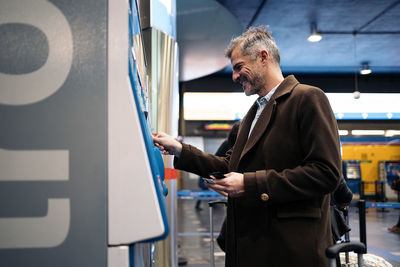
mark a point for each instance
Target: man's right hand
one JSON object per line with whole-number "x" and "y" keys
{"x": 167, "y": 144}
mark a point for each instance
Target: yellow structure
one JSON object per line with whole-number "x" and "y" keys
{"x": 369, "y": 156}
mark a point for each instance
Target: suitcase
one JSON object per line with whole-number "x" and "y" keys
{"x": 354, "y": 249}
{"x": 211, "y": 205}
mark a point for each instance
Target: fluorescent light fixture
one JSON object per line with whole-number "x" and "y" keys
{"x": 315, "y": 36}
{"x": 390, "y": 133}
{"x": 380, "y": 106}
{"x": 367, "y": 132}
{"x": 343, "y": 132}
{"x": 365, "y": 69}
{"x": 207, "y": 106}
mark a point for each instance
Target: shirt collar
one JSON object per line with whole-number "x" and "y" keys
{"x": 262, "y": 101}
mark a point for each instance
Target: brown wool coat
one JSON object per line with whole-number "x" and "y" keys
{"x": 292, "y": 156}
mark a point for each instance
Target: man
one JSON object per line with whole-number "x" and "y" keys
{"x": 282, "y": 168}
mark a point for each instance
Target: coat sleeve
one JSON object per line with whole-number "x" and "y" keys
{"x": 319, "y": 169}
{"x": 196, "y": 161}
{"x": 342, "y": 195}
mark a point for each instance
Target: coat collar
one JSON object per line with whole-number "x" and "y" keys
{"x": 245, "y": 143}
{"x": 286, "y": 86}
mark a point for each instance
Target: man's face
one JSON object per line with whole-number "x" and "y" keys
{"x": 247, "y": 72}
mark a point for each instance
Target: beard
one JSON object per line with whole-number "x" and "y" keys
{"x": 253, "y": 85}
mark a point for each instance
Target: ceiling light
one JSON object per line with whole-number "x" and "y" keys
{"x": 315, "y": 36}
{"x": 365, "y": 69}
{"x": 367, "y": 132}
{"x": 356, "y": 94}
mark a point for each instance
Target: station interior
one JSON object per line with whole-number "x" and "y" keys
{"x": 84, "y": 85}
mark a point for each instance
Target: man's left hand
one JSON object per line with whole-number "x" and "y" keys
{"x": 233, "y": 184}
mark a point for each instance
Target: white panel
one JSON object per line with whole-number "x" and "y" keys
{"x": 118, "y": 256}
{"x": 34, "y": 165}
{"x": 134, "y": 212}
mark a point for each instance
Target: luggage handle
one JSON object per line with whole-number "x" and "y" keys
{"x": 334, "y": 250}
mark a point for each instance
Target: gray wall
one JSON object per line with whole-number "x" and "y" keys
{"x": 53, "y": 144}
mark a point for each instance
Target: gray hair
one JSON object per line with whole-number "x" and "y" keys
{"x": 253, "y": 41}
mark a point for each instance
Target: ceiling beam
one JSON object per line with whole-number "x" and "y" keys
{"x": 260, "y": 7}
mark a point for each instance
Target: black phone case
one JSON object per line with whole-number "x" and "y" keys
{"x": 218, "y": 175}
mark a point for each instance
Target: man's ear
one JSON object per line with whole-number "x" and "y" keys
{"x": 264, "y": 56}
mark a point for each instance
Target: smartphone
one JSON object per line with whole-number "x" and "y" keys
{"x": 208, "y": 180}
{"x": 218, "y": 175}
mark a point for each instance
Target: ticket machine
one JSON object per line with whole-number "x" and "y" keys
{"x": 132, "y": 179}
{"x": 389, "y": 170}
{"x": 352, "y": 175}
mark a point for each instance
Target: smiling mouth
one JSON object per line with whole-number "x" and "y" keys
{"x": 243, "y": 81}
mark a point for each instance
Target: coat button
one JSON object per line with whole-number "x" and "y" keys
{"x": 264, "y": 197}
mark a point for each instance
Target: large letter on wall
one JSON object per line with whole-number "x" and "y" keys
{"x": 37, "y": 232}
{"x": 37, "y": 165}
{"x": 32, "y": 87}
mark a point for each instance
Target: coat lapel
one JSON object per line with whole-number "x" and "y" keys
{"x": 260, "y": 127}
{"x": 242, "y": 137}
{"x": 266, "y": 116}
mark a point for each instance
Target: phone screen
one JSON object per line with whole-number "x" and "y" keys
{"x": 208, "y": 180}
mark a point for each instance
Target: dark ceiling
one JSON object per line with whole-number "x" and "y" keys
{"x": 376, "y": 24}
{"x": 203, "y": 34}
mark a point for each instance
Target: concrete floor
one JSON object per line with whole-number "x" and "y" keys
{"x": 194, "y": 238}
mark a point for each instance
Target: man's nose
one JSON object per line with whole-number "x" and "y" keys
{"x": 235, "y": 76}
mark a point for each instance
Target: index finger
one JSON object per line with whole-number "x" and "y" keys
{"x": 218, "y": 189}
